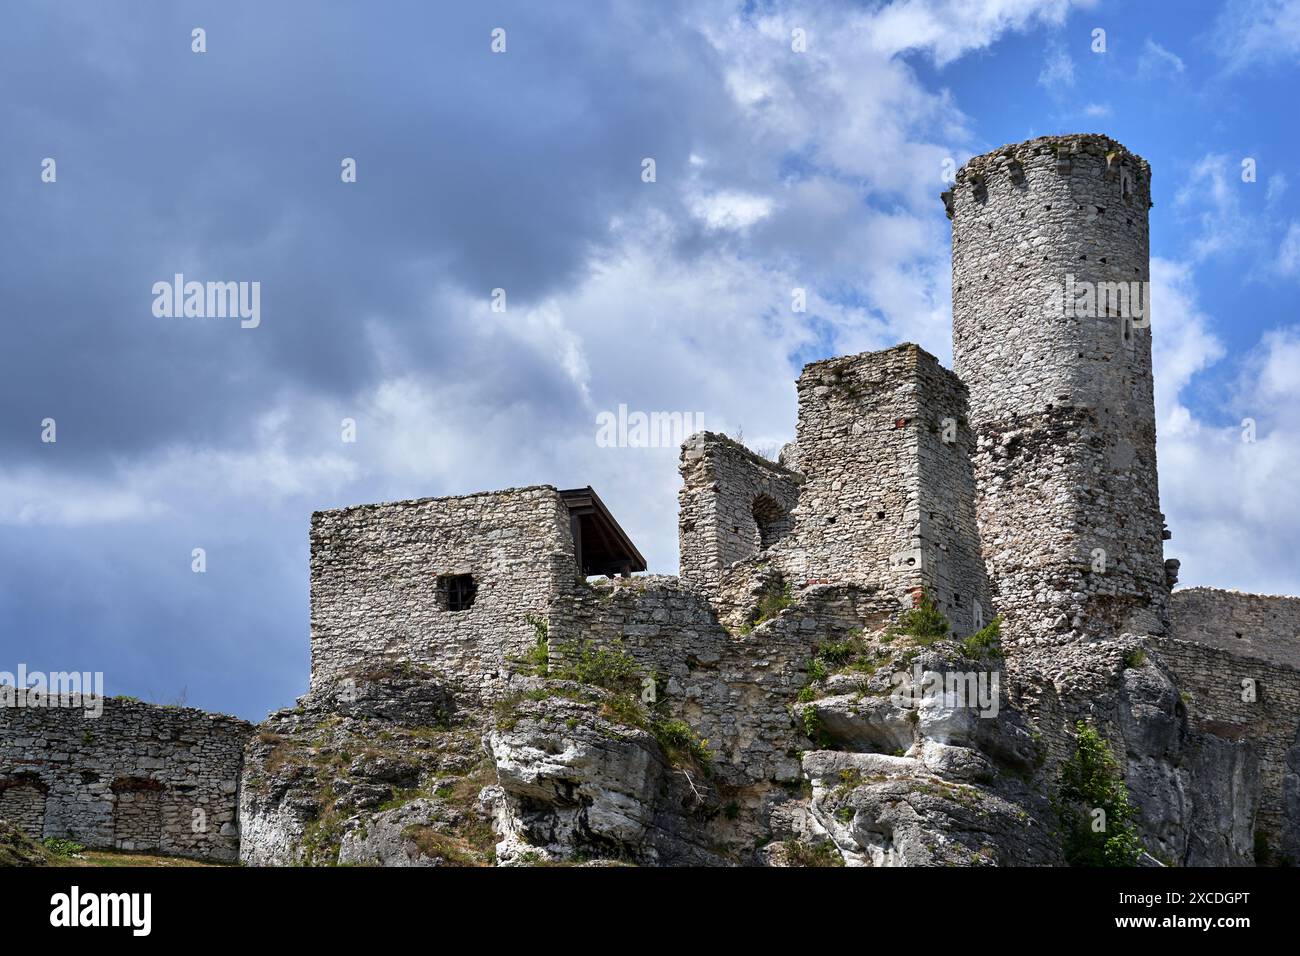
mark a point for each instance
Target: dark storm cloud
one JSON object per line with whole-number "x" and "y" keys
{"x": 475, "y": 171}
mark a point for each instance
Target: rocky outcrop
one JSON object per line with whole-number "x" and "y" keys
{"x": 18, "y": 849}
{"x": 929, "y": 766}
{"x": 915, "y": 751}
{"x": 572, "y": 783}
{"x": 881, "y": 810}
{"x": 378, "y": 768}
{"x": 586, "y": 774}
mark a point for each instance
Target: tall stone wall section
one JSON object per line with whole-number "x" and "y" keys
{"x": 1244, "y": 698}
{"x": 884, "y": 446}
{"x": 1261, "y": 626}
{"x": 376, "y": 596}
{"x": 139, "y": 777}
{"x": 1060, "y": 395}
{"x": 734, "y": 504}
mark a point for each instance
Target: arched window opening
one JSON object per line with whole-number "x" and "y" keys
{"x": 771, "y": 521}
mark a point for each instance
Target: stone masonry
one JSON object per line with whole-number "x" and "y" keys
{"x": 138, "y": 777}
{"x": 733, "y": 504}
{"x": 378, "y": 592}
{"x": 1259, "y": 626}
{"x": 1051, "y": 334}
{"x": 888, "y": 499}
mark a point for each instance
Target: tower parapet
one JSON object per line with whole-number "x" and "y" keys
{"x": 1051, "y": 334}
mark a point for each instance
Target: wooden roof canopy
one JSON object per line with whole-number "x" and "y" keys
{"x": 600, "y": 545}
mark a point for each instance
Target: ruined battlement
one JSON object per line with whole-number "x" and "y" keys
{"x": 1047, "y": 159}
{"x": 733, "y": 504}
{"x": 888, "y": 499}
{"x": 883, "y": 497}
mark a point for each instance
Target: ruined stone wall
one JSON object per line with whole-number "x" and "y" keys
{"x": 376, "y": 596}
{"x": 733, "y": 686}
{"x": 888, "y": 495}
{"x": 138, "y": 777}
{"x": 1060, "y": 394}
{"x": 1261, "y": 626}
{"x": 733, "y": 504}
{"x": 1242, "y": 698}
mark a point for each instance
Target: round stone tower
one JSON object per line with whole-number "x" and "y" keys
{"x": 1051, "y": 333}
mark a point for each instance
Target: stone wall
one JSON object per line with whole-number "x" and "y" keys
{"x": 138, "y": 777}
{"x": 22, "y": 802}
{"x": 376, "y": 583}
{"x": 733, "y": 504}
{"x": 888, "y": 498}
{"x": 1060, "y": 397}
{"x": 1261, "y": 626}
{"x": 733, "y": 686}
{"x": 1243, "y": 698}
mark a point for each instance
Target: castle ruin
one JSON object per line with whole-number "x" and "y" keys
{"x": 1021, "y": 486}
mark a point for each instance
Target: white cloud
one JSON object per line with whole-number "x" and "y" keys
{"x": 1257, "y": 33}
{"x": 169, "y": 483}
{"x": 731, "y": 210}
{"x": 1277, "y": 186}
{"x": 949, "y": 28}
{"x": 1223, "y": 495}
{"x": 1182, "y": 343}
{"x": 1157, "y": 61}
{"x": 1057, "y": 74}
{"x": 1274, "y": 373}
{"x": 1288, "y": 254}
{"x": 1211, "y": 194}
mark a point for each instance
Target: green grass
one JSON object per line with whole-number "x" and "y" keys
{"x": 538, "y": 658}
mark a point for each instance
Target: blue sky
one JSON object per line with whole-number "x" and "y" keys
{"x": 522, "y": 170}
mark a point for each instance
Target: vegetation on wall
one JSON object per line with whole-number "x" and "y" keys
{"x": 1097, "y": 821}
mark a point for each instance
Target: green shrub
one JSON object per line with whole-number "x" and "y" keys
{"x": 852, "y": 653}
{"x": 813, "y": 727}
{"x": 772, "y": 603}
{"x": 986, "y": 642}
{"x": 63, "y": 848}
{"x": 679, "y": 741}
{"x": 924, "y": 623}
{"x": 624, "y": 709}
{"x": 609, "y": 667}
{"x": 1090, "y": 781}
{"x": 1136, "y": 657}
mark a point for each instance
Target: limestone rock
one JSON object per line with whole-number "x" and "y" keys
{"x": 573, "y": 783}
